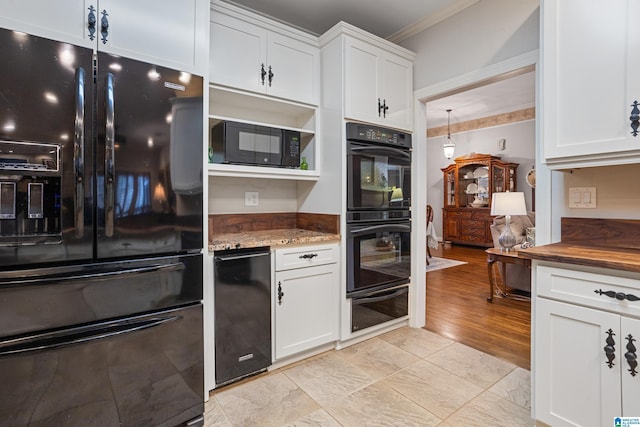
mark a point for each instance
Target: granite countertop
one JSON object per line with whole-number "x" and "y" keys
{"x": 593, "y": 256}
{"x": 254, "y": 239}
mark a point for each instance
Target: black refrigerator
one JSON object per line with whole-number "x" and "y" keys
{"x": 100, "y": 238}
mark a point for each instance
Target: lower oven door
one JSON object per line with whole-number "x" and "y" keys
{"x": 138, "y": 371}
{"x": 379, "y": 307}
{"x": 378, "y": 256}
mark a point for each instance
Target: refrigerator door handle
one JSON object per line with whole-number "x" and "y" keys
{"x": 56, "y": 340}
{"x": 109, "y": 203}
{"x": 103, "y": 275}
{"x": 78, "y": 154}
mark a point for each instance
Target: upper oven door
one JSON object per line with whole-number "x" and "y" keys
{"x": 378, "y": 177}
{"x": 378, "y": 256}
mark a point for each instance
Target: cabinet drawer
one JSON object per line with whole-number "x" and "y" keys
{"x": 306, "y": 256}
{"x": 583, "y": 287}
{"x": 459, "y": 214}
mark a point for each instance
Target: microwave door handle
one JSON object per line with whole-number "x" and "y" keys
{"x": 78, "y": 154}
{"x": 401, "y": 153}
{"x": 109, "y": 159}
{"x": 374, "y": 228}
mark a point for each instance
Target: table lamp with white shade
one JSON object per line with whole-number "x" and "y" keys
{"x": 507, "y": 204}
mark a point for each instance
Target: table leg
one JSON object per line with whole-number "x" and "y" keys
{"x": 490, "y": 262}
{"x": 503, "y": 269}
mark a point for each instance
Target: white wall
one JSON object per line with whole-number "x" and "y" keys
{"x": 520, "y": 148}
{"x": 617, "y": 191}
{"x": 226, "y": 195}
{"x": 488, "y": 32}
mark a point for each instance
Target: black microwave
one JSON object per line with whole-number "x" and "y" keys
{"x": 243, "y": 143}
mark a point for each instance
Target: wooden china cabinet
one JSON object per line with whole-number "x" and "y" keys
{"x": 468, "y": 186}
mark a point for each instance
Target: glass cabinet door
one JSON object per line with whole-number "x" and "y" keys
{"x": 450, "y": 189}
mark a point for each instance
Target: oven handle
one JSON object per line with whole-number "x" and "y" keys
{"x": 61, "y": 339}
{"x": 402, "y": 153}
{"x": 105, "y": 275}
{"x": 235, "y": 257}
{"x": 396, "y": 293}
{"x": 382, "y": 227}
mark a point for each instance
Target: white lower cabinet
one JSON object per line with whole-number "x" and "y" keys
{"x": 305, "y": 298}
{"x": 585, "y": 356}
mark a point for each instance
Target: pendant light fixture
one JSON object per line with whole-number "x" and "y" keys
{"x": 449, "y": 147}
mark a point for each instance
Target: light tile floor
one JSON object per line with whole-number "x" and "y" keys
{"x": 407, "y": 377}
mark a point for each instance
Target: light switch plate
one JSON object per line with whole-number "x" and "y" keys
{"x": 582, "y": 197}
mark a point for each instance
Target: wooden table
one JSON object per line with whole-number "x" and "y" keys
{"x": 504, "y": 258}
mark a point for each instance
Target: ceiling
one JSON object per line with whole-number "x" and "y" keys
{"x": 409, "y": 17}
{"x": 373, "y": 16}
{"x": 503, "y": 95}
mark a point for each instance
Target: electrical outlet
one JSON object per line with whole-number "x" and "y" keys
{"x": 502, "y": 144}
{"x": 251, "y": 198}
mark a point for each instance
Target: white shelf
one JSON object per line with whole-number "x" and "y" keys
{"x": 232, "y": 104}
{"x": 250, "y": 171}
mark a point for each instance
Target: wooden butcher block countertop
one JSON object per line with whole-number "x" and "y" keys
{"x": 605, "y": 243}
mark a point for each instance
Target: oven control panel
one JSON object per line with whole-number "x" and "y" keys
{"x": 368, "y": 133}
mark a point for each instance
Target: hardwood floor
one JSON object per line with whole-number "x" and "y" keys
{"x": 457, "y": 308}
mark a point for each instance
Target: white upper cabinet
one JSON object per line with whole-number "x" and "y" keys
{"x": 161, "y": 32}
{"x": 247, "y": 54}
{"x": 590, "y": 65}
{"x": 62, "y": 20}
{"x": 165, "y": 32}
{"x": 378, "y": 85}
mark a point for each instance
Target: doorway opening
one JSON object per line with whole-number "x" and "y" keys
{"x": 455, "y": 298}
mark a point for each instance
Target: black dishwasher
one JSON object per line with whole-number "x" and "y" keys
{"x": 242, "y": 292}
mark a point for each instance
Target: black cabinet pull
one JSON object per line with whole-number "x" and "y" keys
{"x": 621, "y": 296}
{"x": 610, "y": 349}
{"x": 280, "y": 293}
{"x": 379, "y": 107}
{"x": 308, "y": 256}
{"x": 104, "y": 26}
{"x": 91, "y": 22}
{"x": 635, "y": 118}
{"x": 271, "y": 75}
{"x": 385, "y": 107}
{"x": 631, "y": 355}
{"x": 263, "y": 73}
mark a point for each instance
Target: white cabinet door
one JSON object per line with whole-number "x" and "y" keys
{"x": 397, "y": 93}
{"x": 238, "y": 53}
{"x": 378, "y": 86}
{"x": 590, "y": 65}
{"x": 630, "y": 349}
{"x": 295, "y": 69}
{"x": 167, "y": 33}
{"x": 157, "y": 32}
{"x": 362, "y": 80}
{"x": 574, "y": 385}
{"x": 252, "y": 58}
{"x": 62, "y": 20}
{"x": 305, "y": 308}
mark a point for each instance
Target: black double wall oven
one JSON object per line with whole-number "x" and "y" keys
{"x": 101, "y": 221}
{"x": 378, "y": 224}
